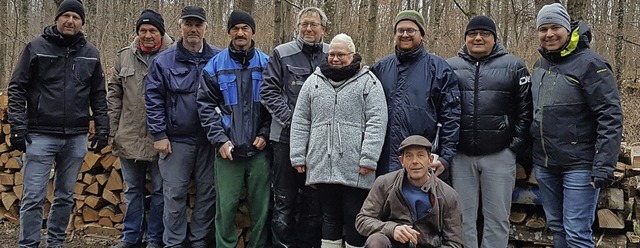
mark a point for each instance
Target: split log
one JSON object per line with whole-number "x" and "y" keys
{"x": 610, "y": 220}
{"x": 611, "y": 198}
{"x": 4, "y": 157}
{"x": 90, "y": 162}
{"x": 88, "y": 178}
{"x": 517, "y": 217}
{"x": 107, "y": 161}
{"x": 532, "y": 178}
{"x": 114, "y": 182}
{"x": 102, "y": 178}
{"x": 19, "y": 190}
{"x": 8, "y": 199}
{"x": 117, "y": 218}
{"x": 107, "y": 211}
{"x": 536, "y": 222}
{"x": 105, "y": 222}
{"x": 18, "y": 178}
{"x": 521, "y": 173}
{"x": 89, "y": 215}
{"x": 79, "y": 188}
{"x": 95, "y": 202}
{"x": 6, "y": 179}
{"x": 111, "y": 197}
{"x": 13, "y": 163}
{"x": 96, "y": 229}
{"x": 4, "y": 147}
{"x": 94, "y": 189}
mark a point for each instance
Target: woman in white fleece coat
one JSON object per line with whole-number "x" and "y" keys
{"x": 337, "y": 132}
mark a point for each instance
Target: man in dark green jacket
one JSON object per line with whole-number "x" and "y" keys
{"x": 577, "y": 126}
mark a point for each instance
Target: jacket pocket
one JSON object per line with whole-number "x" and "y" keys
{"x": 182, "y": 81}
{"x": 298, "y": 75}
{"x": 229, "y": 88}
{"x": 83, "y": 68}
{"x": 47, "y": 64}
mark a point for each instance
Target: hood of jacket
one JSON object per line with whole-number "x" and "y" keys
{"x": 52, "y": 35}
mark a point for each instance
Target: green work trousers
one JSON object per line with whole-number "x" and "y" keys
{"x": 231, "y": 176}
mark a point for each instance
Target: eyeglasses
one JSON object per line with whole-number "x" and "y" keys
{"x": 340, "y": 56}
{"x": 482, "y": 33}
{"x": 408, "y": 31}
{"x": 313, "y": 25}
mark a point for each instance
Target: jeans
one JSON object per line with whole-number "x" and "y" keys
{"x": 67, "y": 152}
{"x": 490, "y": 179}
{"x": 231, "y": 176}
{"x": 569, "y": 203}
{"x": 188, "y": 162}
{"x": 134, "y": 175}
{"x": 289, "y": 231}
{"x": 340, "y": 205}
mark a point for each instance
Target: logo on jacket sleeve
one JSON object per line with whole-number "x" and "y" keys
{"x": 525, "y": 80}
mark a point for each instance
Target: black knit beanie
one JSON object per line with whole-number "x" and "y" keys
{"x": 149, "y": 16}
{"x": 241, "y": 17}
{"x": 482, "y": 23}
{"x": 73, "y": 6}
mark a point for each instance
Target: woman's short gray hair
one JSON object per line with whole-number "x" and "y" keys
{"x": 344, "y": 39}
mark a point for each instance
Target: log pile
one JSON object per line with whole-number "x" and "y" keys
{"x": 617, "y": 221}
{"x": 99, "y": 191}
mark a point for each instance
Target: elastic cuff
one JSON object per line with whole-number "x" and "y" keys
{"x": 159, "y": 136}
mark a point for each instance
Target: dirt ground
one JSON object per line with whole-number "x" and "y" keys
{"x": 9, "y": 238}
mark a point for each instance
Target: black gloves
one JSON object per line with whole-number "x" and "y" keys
{"x": 19, "y": 139}
{"x": 99, "y": 142}
{"x": 601, "y": 182}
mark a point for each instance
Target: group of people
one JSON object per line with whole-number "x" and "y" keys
{"x": 331, "y": 152}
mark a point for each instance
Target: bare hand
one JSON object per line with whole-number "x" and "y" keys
{"x": 438, "y": 167}
{"x": 404, "y": 234}
{"x": 259, "y": 143}
{"x": 111, "y": 141}
{"x": 163, "y": 146}
{"x": 365, "y": 170}
{"x": 225, "y": 150}
{"x": 301, "y": 168}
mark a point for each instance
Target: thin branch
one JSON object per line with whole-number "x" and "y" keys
{"x": 293, "y": 4}
{"x": 623, "y": 39}
{"x": 460, "y": 7}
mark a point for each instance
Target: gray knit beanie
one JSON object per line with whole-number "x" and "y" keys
{"x": 554, "y": 13}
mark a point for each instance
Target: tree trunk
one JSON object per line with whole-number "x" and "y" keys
{"x": 371, "y": 32}
{"x": 246, "y": 5}
{"x": 619, "y": 63}
{"x": 363, "y": 19}
{"x": 330, "y": 11}
{"x": 3, "y": 46}
{"x": 91, "y": 19}
{"x": 152, "y": 4}
{"x": 278, "y": 30}
{"x": 578, "y": 9}
{"x": 473, "y": 8}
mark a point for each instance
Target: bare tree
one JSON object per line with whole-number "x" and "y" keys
{"x": 540, "y": 3}
{"x": 372, "y": 32}
{"x": 473, "y": 8}
{"x": 330, "y": 11}
{"x": 360, "y": 37}
{"x": 578, "y": 9}
{"x": 246, "y": 5}
{"x": 619, "y": 39}
{"x": 4, "y": 30}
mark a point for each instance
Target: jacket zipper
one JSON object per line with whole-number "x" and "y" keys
{"x": 475, "y": 104}
{"x": 549, "y": 96}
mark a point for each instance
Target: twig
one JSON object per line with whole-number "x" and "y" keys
{"x": 459, "y": 7}
{"x": 293, "y": 4}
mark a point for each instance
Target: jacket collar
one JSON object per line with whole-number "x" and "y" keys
{"x": 498, "y": 50}
{"x": 52, "y": 35}
{"x": 410, "y": 56}
{"x": 166, "y": 43}
{"x": 182, "y": 54}
{"x": 308, "y": 47}
{"x": 242, "y": 56}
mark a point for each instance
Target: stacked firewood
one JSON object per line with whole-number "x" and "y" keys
{"x": 99, "y": 191}
{"x": 617, "y": 216}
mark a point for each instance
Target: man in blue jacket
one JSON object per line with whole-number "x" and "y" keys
{"x": 238, "y": 125}
{"x": 172, "y": 117}
{"x": 56, "y": 83}
{"x": 421, "y": 91}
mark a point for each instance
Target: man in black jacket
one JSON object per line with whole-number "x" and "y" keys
{"x": 496, "y": 115}
{"x": 58, "y": 81}
{"x": 577, "y": 126}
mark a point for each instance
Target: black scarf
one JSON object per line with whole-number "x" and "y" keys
{"x": 405, "y": 56}
{"x": 68, "y": 39}
{"x": 242, "y": 56}
{"x": 342, "y": 73}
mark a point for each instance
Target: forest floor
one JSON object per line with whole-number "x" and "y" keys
{"x": 9, "y": 233}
